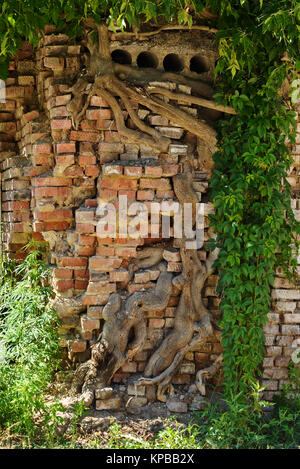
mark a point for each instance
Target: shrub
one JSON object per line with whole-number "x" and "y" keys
{"x": 29, "y": 342}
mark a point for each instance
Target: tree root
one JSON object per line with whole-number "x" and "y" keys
{"x": 102, "y": 81}
{"x": 206, "y": 373}
{"x": 144, "y": 36}
{"x": 188, "y": 99}
{"x": 149, "y": 257}
{"x": 112, "y": 348}
{"x": 192, "y": 320}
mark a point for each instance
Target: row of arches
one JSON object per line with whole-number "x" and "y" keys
{"x": 171, "y": 62}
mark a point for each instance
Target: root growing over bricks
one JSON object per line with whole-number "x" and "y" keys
{"x": 207, "y": 373}
{"x": 109, "y": 80}
{"x": 113, "y": 347}
{"x": 192, "y": 319}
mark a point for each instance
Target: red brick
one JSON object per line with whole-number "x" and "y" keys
{"x": 95, "y": 114}
{"x": 29, "y": 116}
{"x": 88, "y": 324}
{"x": 85, "y": 136}
{"x": 87, "y": 240}
{"x": 81, "y": 284}
{"x": 87, "y": 160}
{"x": 118, "y": 183}
{"x": 63, "y": 273}
{"x": 161, "y": 184}
{"x": 106, "y": 265}
{"x": 87, "y": 251}
{"x": 145, "y": 195}
{"x": 162, "y": 194}
{"x": 85, "y": 228}
{"x": 98, "y": 101}
{"x": 111, "y": 147}
{"x": 56, "y": 226}
{"x": 92, "y": 171}
{"x": 155, "y": 171}
{"x": 105, "y": 124}
{"x": 63, "y": 285}
{"x": 101, "y": 287}
{"x": 87, "y": 125}
{"x": 62, "y": 100}
{"x": 74, "y": 171}
{"x": 74, "y": 261}
{"x": 77, "y": 346}
{"x": 170, "y": 170}
{"x": 61, "y": 124}
{"x": 133, "y": 171}
{"x": 52, "y": 192}
{"x": 105, "y": 251}
{"x": 66, "y": 147}
{"x": 156, "y": 323}
{"x": 129, "y": 194}
{"x": 63, "y": 214}
{"x": 43, "y": 148}
{"x": 81, "y": 274}
{"x": 66, "y": 160}
{"x": 52, "y": 181}
{"x": 54, "y": 62}
{"x": 111, "y": 136}
{"x": 106, "y": 194}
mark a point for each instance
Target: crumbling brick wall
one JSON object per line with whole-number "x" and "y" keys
{"x": 54, "y": 178}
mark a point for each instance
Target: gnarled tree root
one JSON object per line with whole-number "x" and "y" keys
{"x": 207, "y": 373}
{"x": 113, "y": 349}
{"x": 192, "y": 320}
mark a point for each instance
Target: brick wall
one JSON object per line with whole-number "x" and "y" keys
{"x": 55, "y": 177}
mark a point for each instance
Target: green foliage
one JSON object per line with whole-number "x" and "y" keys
{"x": 28, "y": 340}
{"x": 255, "y": 424}
{"x": 247, "y": 425}
{"x": 26, "y": 19}
{"x": 256, "y": 228}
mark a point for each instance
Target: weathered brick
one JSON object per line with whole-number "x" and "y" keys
{"x": 52, "y": 181}
{"x": 160, "y": 184}
{"x": 286, "y": 294}
{"x": 63, "y": 273}
{"x": 61, "y": 123}
{"x": 89, "y": 324}
{"x": 103, "y": 264}
{"x": 133, "y": 171}
{"x": 73, "y": 261}
{"x": 106, "y": 147}
{"x": 54, "y": 62}
{"x": 85, "y": 136}
{"x": 52, "y": 192}
{"x": 77, "y": 346}
{"x": 292, "y": 318}
{"x": 95, "y": 114}
{"x": 290, "y": 330}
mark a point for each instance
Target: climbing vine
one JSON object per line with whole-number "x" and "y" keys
{"x": 255, "y": 226}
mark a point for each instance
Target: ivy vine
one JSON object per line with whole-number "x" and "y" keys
{"x": 255, "y": 225}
